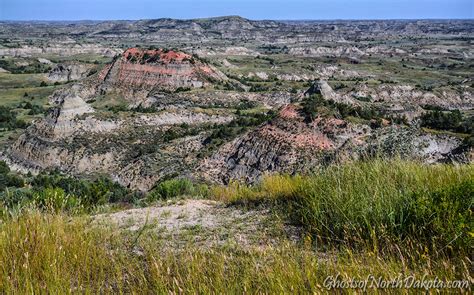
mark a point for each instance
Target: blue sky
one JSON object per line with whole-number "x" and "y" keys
{"x": 253, "y": 9}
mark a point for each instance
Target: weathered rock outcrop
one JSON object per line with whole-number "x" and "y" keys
{"x": 289, "y": 144}
{"x": 68, "y": 72}
{"x": 158, "y": 70}
{"x": 133, "y": 150}
{"x": 405, "y": 95}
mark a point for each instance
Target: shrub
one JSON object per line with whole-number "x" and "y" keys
{"x": 8, "y": 179}
{"x": 222, "y": 133}
{"x": 311, "y": 105}
{"x": 8, "y": 119}
{"x": 15, "y": 199}
{"x": 442, "y": 120}
{"x": 182, "y": 89}
{"x": 55, "y": 200}
{"x": 90, "y": 192}
{"x": 177, "y": 187}
{"x": 34, "y": 108}
{"x": 4, "y": 169}
{"x": 171, "y": 188}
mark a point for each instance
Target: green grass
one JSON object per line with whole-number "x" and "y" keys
{"x": 8, "y": 80}
{"x": 377, "y": 205}
{"x": 13, "y": 96}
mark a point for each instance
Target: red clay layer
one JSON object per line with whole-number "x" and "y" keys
{"x": 156, "y": 67}
{"x": 164, "y": 57}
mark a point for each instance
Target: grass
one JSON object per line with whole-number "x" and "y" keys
{"x": 445, "y": 132}
{"x": 378, "y": 205}
{"x": 385, "y": 218}
{"x": 53, "y": 253}
{"x": 8, "y": 80}
{"x": 13, "y": 96}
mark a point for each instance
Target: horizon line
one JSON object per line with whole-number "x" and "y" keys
{"x": 229, "y": 16}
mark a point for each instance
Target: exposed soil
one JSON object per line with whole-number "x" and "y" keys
{"x": 204, "y": 223}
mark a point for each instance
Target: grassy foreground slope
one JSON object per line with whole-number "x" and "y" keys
{"x": 375, "y": 204}
{"x": 377, "y": 218}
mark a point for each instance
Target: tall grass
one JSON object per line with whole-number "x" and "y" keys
{"x": 57, "y": 254}
{"x": 375, "y": 204}
{"x": 379, "y": 218}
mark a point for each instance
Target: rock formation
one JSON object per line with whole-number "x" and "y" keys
{"x": 158, "y": 70}
{"x": 68, "y": 72}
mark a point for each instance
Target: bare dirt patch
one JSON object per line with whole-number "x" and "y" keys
{"x": 203, "y": 223}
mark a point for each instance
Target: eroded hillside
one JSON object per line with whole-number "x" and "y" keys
{"x": 238, "y": 98}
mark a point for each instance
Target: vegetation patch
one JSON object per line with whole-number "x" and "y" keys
{"x": 448, "y": 120}
{"x": 378, "y": 205}
{"x": 9, "y": 120}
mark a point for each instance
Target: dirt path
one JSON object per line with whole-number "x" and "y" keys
{"x": 204, "y": 223}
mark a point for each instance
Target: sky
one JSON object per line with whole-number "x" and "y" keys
{"x": 252, "y": 9}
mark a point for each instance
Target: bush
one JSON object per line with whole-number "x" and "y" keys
{"x": 226, "y": 132}
{"x": 175, "y": 188}
{"x": 15, "y": 199}
{"x": 312, "y": 104}
{"x": 90, "y": 192}
{"x": 443, "y": 120}
{"x": 55, "y": 200}
{"x": 182, "y": 89}
{"x": 34, "y": 108}
{"x": 4, "y": 169}
{"x": 8, "y": 179}
{"x": 171, "y": 189}
{"x": 8, "y": 119}
{"x": 315, "y": 104}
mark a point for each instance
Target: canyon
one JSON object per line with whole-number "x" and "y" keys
{"x": 229, "y": 99}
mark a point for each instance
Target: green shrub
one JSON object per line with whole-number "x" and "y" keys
{"x": 15, "y": 199}
{"x": 34, "y": 108}
{"x": 311, "y": 105}
{"x": 55, "y": 200}
{"x": 316, "y": 104}
{"x": 182, "y": 89}
{"x": 90, "y": 192}
{"x": 14, "y": 180}
{"x": 448, "y": 120}
{"x": 222, "y": 133}
{"x": 8, "y": 179}
{"x": 8, "y": 119}
{"x": 172, "y": 188}
{"x": 4, "y": 169}
{"x": 177, "y": 187}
